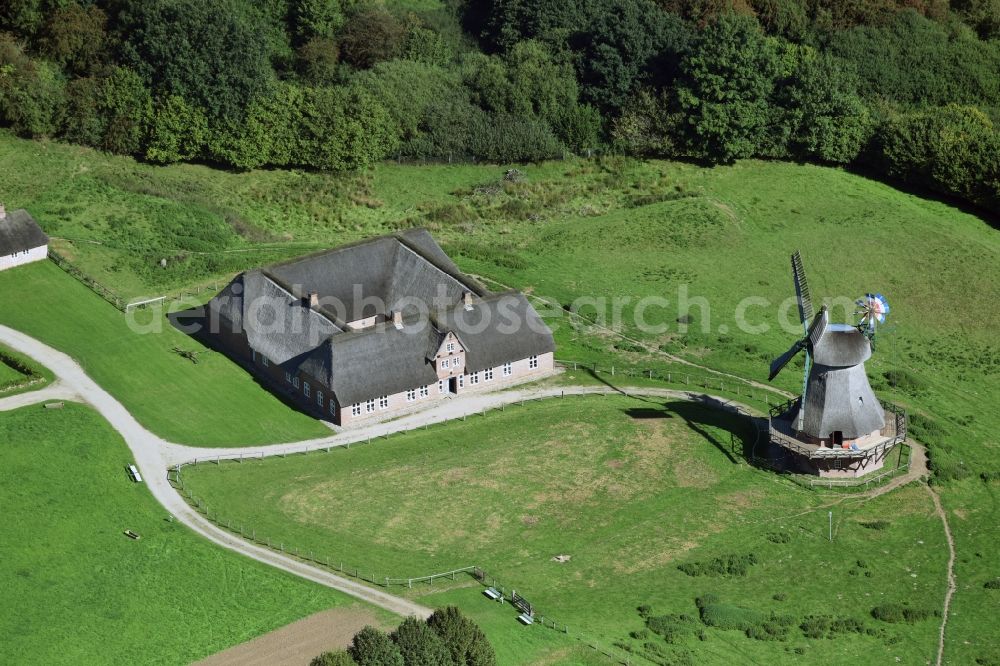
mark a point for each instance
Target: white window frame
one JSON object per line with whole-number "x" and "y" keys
{"x": 295, "y": 381}
{"x": 461, "y": 381}
{"x": 450, "y": 347}
{"x": 411, "y": 395}
{"x": 457, "y": 361}
{"x": 306, "y": 391}
{"x": 383, "y": 402}
{"x": 263, "y": 361}
{"x": 333, "y": 408}
{"x": 473, "y": 379}
{"x": 370, "y": 406}
{"x": 319, "y": 398}
{"x": 443, "y": 386}
{"x": 425, "y": 391}
{"x": 356, "y": 409}
{"x": 446, "y": 363}
{"x": 532, "y": 362}
{"x": 288, "y": 377}
{"x": 488, "y": 375}
{"x": 508, "y": 369}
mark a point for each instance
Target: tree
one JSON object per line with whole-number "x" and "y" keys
{"x": 372, "y": 647}
{"x": 316, "y": 18}
{"x": 345, "y": 129}
{"x": 31, "y": 91}
{"x": 419, "y": 645}
{"x": 827, "y": 119}
{"x": 407, "y": 89}
{"x": 725, "y": 89}
{"x": 319, "y": 60}
{"x": 126, "y": 106}
{"x": 83, "y": 122}
{"x": 213, "y": 53}
{"x": 371, "y": 35}
{"x": 177, "y": 132}
{"x": 464, "y": 639}
{"x": 338, "y": 658}
{"x": 74, "y": 37}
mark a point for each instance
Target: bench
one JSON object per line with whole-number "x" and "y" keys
{"x": 526, "y": 619}
{"x": 132, "y": 535}
{"x": 134, "y": 473}
{"x": 492, "y": 593}
{"x": 54, "y": 405}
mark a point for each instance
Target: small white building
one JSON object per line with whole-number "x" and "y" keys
{"x": 22, "y": 241}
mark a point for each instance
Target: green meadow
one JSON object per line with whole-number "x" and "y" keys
{"x": 560, "y": 230}
{"x": 643, "y": 496}
{"x": 77, "y": 590}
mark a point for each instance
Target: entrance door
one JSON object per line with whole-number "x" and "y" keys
{"x": 453, "y": 384}
{"x": 838, "y": 438}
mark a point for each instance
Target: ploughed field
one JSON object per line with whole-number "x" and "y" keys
{"x": 654, "y": 505}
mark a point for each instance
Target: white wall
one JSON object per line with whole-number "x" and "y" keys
{"x": 21, "y": 258}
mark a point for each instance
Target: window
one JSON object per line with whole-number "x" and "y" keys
{"x": 383, "y": 402}
{"x": 333, "y": 408}
{"x": 411, "y": 395}
{"x": 356, "y": 410}
{"x": 532, "y": 362}
{"x": 295, "y": 382}
{"x": 508, "y": 370}
{"x": 445, "y": 363}
{"x": 474, "y": 378}
{"x": 424, "y": 391}
{"x": 488, "y": 375}
{"x": 451, "y": 346}
{"x": 264, "y": 361}
{"x": 305, "y": 389}
{"x": 457, "y": 361}
{"x": 370, "y": 406}
{"x": 288, "y": 377}
{"x": 461, "y": 381}
{"x": 319, "y": 398}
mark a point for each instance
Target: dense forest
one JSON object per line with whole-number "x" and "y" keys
{"x": 906, "y": 89}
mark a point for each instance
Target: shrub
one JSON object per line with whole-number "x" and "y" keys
{"x": 419, "y": 644}
{"x": 992, "y": 584}
{"x": 779, "y": 537}
{"x": 727, "y": 565}
{"x": 338, "y": 658}
{"x": 876, "y": 525}
{"x": 463, "y": 638}
{"x": 896, "y": 613}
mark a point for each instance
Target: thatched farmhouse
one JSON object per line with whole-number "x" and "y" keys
{"x": 377, "y": 327}
{"x": 22, "y": 241}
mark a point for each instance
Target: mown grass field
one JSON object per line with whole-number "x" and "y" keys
{"x": 213, "y": 402}
{"x": 76, "y": 590}
{"x": 630, "y": 489}
{"x": 12, "y": 373}
{"x": 577, "y": 228}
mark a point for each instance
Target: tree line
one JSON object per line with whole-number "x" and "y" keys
{"x": 907, "y": 89}
{"x": 446, "y": 638}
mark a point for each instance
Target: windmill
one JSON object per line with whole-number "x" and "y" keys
{"x": 837, "y": 403}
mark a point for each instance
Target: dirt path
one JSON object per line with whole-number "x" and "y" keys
{"x": 951, "y": 571}
{"x": 297, "y": 643}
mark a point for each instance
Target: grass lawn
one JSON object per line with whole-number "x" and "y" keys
{"x": 16, "y": 369}
{"x": 213, "y": 402}
{"x": 76, "y": 590}
{"x": 630, "y": 489}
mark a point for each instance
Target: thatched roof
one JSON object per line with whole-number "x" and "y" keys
{"x": 20, "y": 232}
{"x": 408, "y": 273}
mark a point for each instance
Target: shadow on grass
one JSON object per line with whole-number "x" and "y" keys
{"x": 706, "y": 420}
{"x": 193, "y": 323}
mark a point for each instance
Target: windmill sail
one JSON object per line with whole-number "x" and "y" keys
{"x": 806, "y": 315}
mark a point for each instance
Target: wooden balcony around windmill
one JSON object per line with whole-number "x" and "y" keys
{"x": 851, "y": 457}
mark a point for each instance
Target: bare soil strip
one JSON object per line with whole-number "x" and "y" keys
{"x": 951, "y": 571}
{"x": 297, "y": 643}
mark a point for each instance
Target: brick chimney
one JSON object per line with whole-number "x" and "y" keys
{"x": 467, "y": 300}
{"x": 3, "y": 212}
{"x": 397, "y": 319}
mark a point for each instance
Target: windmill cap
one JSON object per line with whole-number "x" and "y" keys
{"x": 838, "y": 345}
